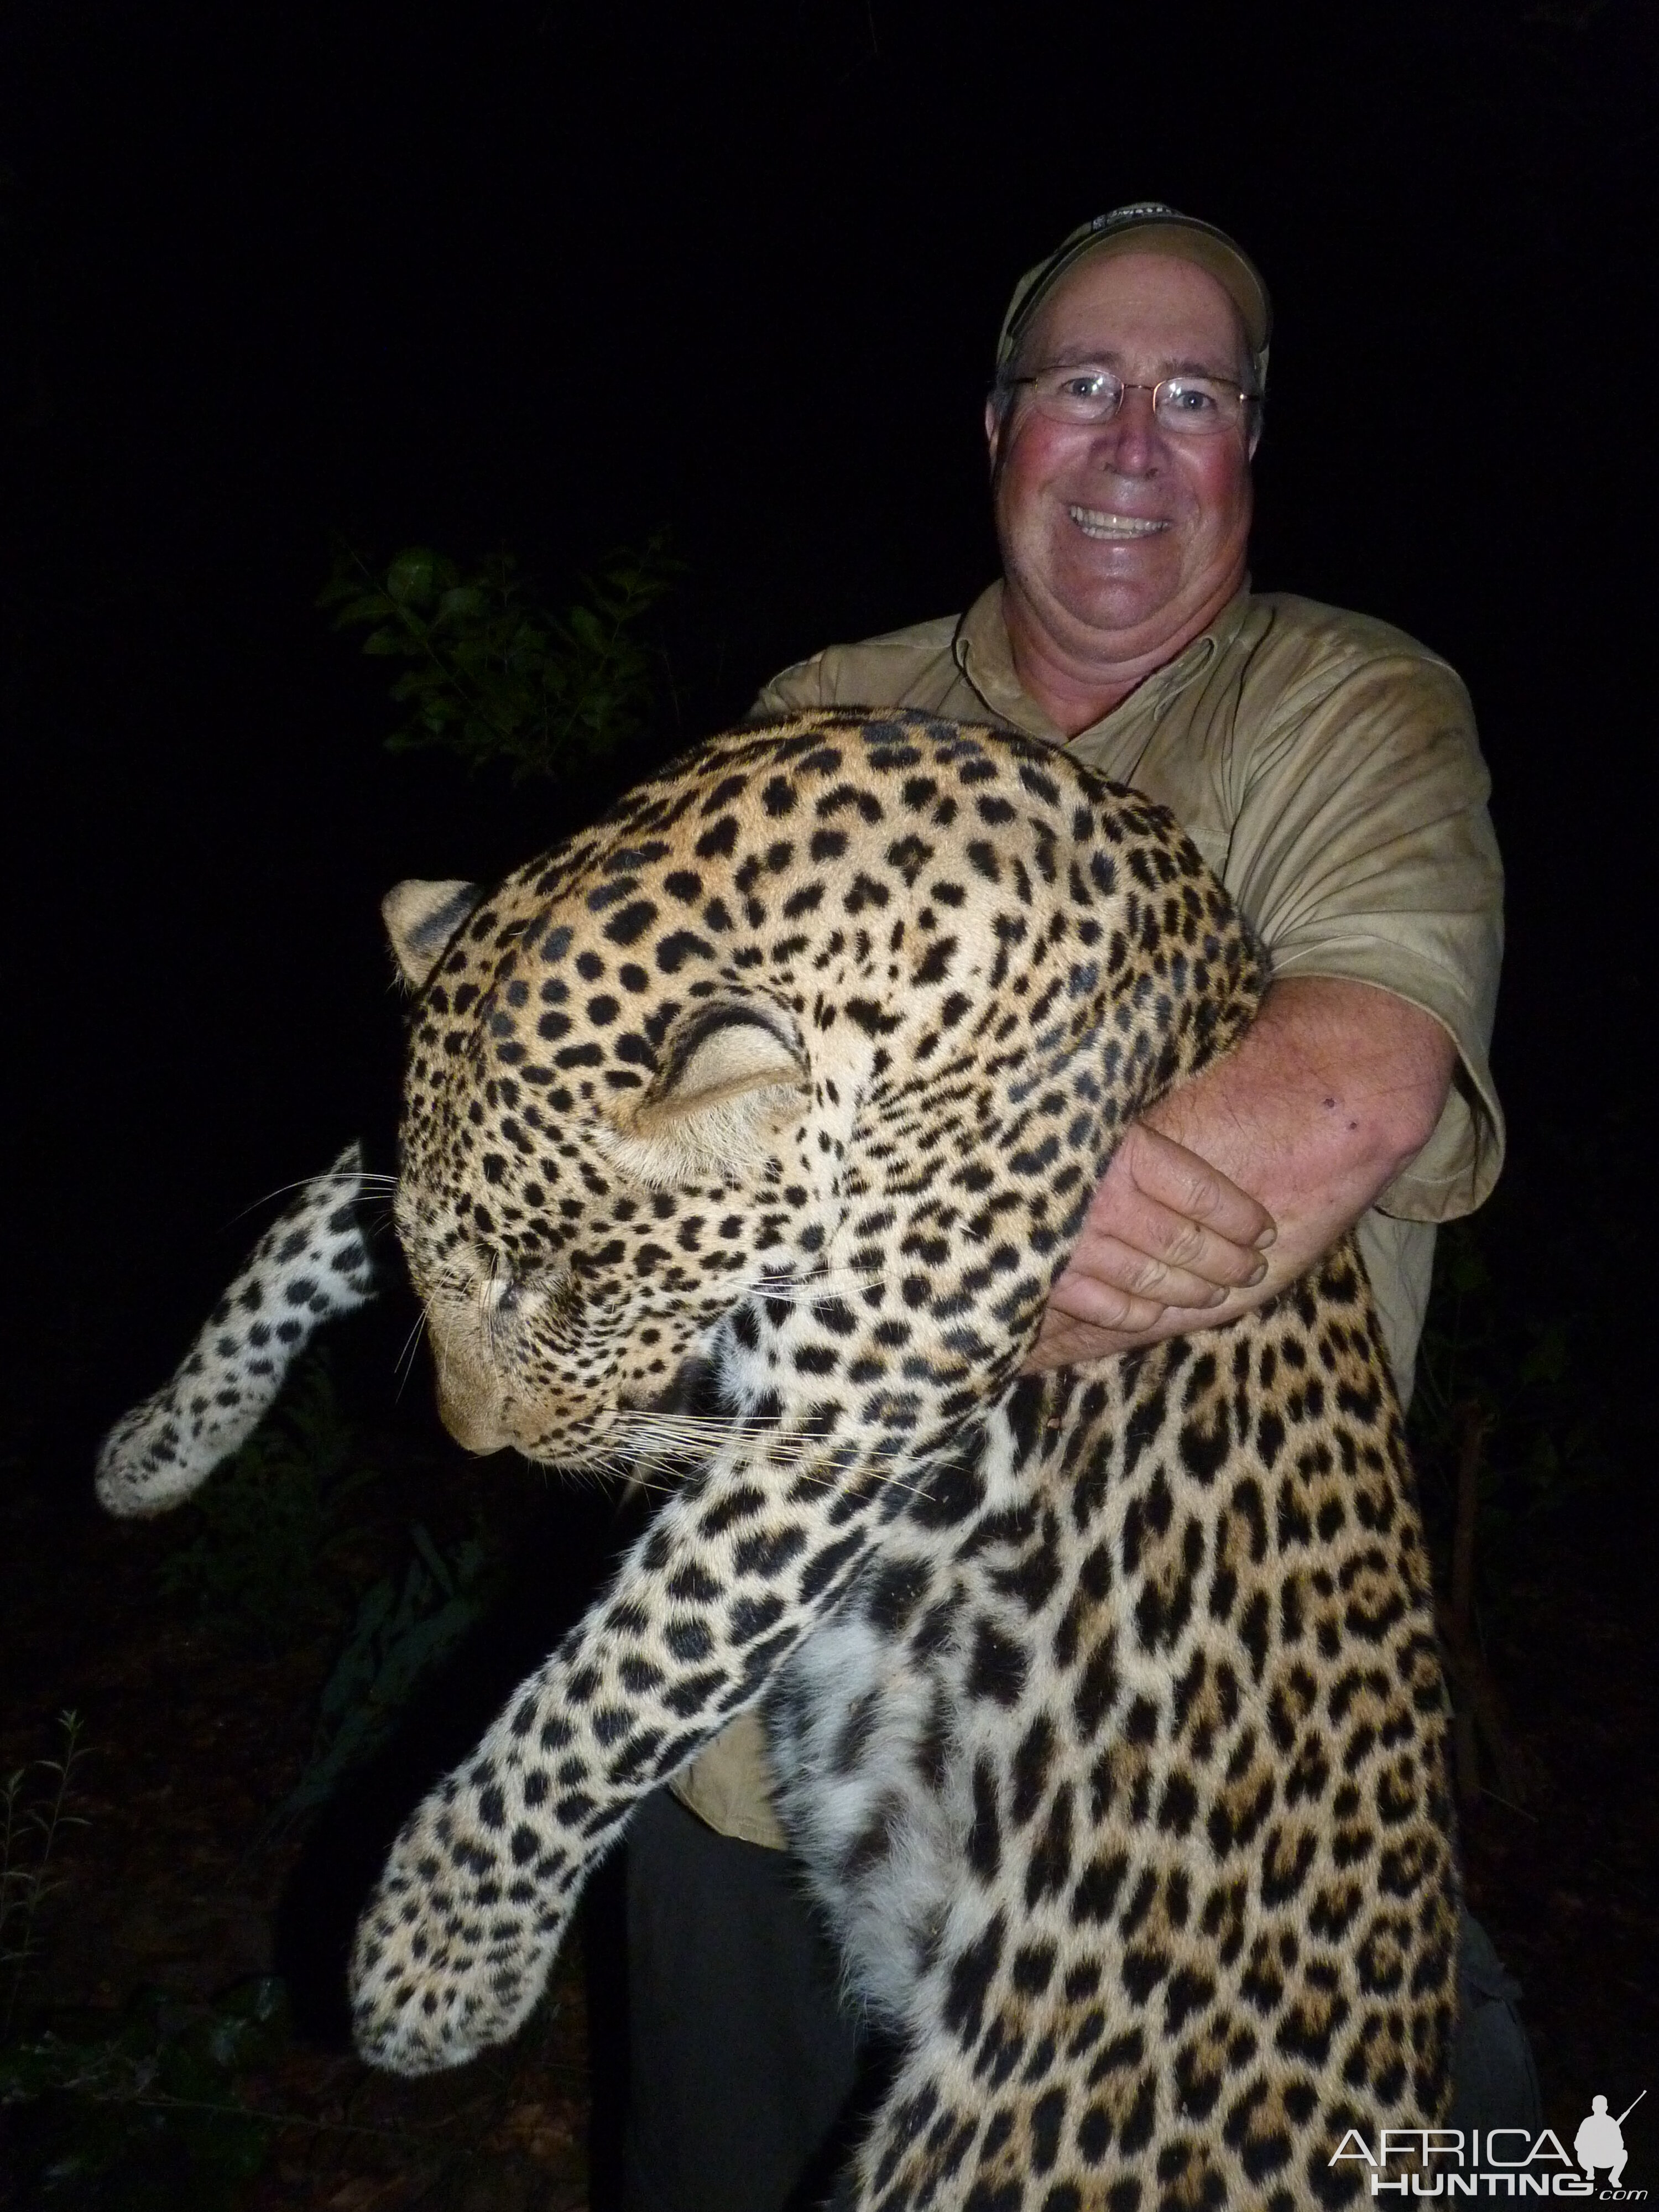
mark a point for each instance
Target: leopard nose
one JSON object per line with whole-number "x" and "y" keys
{"x": 472, "y": 1428}
{"x": 470, "y": 1403}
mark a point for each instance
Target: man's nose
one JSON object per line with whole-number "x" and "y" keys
{"x": 1132, "y": 442}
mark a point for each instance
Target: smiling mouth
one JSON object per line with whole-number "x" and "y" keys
{"x": 1094, "y": 522}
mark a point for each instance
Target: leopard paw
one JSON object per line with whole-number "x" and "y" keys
{"x": 456, "y": 1944}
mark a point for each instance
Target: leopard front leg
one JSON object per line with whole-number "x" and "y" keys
{"x": 455, "y": 1946}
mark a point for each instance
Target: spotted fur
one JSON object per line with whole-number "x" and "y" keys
{"x": 753, "y": 1127}
{"x": 311, "y": 1265}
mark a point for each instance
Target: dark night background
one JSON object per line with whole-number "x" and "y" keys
{"x": 548, "y": 278}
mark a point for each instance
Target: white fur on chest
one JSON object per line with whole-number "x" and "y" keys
{"x": 867, "y": 1744}
{"x": 855, "y": 1689}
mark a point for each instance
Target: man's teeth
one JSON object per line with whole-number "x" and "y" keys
{"x": 1094, "y": 523}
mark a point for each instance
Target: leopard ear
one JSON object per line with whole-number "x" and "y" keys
{"x": 421, "y": 917}
{"x": 729, "y": 1075}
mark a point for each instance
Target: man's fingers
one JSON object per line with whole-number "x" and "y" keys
{"x": 1152, "y": 1252}
{"x": 1096, "y": 1302}
{"x": 1063, "y": 1342}
{"x": 1135, "y": 1273}
{"x": 1166, "y": 1234}
{"x": 1171, "y": 1176}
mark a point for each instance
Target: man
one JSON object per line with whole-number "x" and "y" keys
{"x": 1326, "y": 767}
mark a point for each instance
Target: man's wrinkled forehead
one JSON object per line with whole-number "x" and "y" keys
{"x": 1112, "y": 301}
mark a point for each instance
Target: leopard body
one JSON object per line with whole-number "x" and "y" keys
{"x": 746, "y": 1133}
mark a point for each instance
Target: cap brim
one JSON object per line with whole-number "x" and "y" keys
{"x": 1179, "y": 241}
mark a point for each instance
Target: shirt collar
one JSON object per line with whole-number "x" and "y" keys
{"x": 986, "y": 659}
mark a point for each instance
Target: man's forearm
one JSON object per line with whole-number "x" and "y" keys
{"x": 1331, "y": 1092}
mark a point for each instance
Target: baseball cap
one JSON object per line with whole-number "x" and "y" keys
{"x": 1150, "y": 227}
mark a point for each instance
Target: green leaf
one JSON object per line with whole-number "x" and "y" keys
{"x": 417, "y": 573}
{"x": 492, "y": 677}
{"x": 366, "y": 606}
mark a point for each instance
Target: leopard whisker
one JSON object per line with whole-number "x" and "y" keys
{"x": 609, "y": 1468}
{"x": 357, "y": 1179}
{"x": 805, "y": 1291}
{"x": 887, "y": 1481}
{"x": 487, "y": 1302}
{"x": 700, "y": 1435}
{"x": 404, "y": 1366}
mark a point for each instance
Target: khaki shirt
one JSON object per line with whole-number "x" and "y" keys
{"x": 1326, "y": 767}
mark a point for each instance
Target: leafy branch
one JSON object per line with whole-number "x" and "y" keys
{"x": 494, "y": 676}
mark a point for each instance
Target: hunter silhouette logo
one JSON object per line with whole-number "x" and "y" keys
{"x": 1600, "y": 2139}
{"x": 1498, "y": 2161}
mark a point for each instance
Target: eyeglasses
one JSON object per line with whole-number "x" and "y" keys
{"x": 1186, "y": 406}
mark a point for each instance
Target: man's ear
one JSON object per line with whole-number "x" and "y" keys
{"x": 421, "y": 917}
{"x": 729, "y": 1074}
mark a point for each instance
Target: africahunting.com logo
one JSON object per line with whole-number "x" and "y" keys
{"x": 1499, "y": 2162}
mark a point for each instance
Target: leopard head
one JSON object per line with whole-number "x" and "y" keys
{"x": 784, "y": 1088}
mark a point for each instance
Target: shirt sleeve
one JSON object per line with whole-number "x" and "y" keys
{"x": 792, "y": 688}
{"x": 1362, "y": 849}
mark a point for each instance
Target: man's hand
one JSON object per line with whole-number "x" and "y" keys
{"x": 1234, "y": 1184}
{"x": 1164, "y": 1228}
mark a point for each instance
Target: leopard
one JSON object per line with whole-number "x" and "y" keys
{"x": 744, "y": 1134}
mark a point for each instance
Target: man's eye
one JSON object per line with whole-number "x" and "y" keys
{"x": 1181, "y": 397}
{"x": 1084, "y": 384}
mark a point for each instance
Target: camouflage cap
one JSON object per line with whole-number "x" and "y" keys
{"x": 1150, "y": 227}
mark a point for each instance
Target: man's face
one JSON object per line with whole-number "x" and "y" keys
{"x": 1119, "y": 537}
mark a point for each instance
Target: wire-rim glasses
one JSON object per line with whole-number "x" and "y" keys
{"x": 1188, "y": 406}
